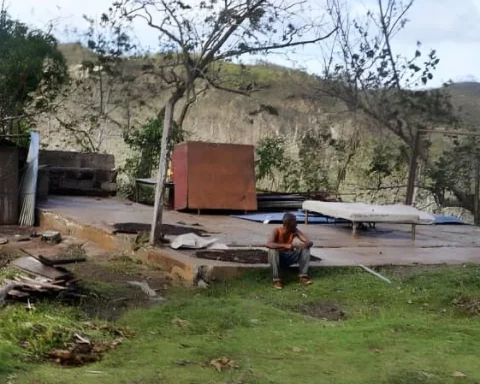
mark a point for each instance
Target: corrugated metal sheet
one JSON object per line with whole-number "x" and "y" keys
{"x": 218, "y": 176}
{"x": 9, "y": 176}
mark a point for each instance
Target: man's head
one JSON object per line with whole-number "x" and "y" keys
{"x": 290, "y": 222}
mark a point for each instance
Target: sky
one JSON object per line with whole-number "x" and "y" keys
{"x": 451, "y": 27}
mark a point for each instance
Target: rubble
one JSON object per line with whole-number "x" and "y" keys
{"x": 34, "y": 277}
{"x": 51, "y": 237}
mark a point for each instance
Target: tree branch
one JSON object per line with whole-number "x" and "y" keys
{"x": 274, "y": 47}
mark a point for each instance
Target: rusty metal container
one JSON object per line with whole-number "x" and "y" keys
{"x": 9, "y": 180}
{"x": 214, "y": 176}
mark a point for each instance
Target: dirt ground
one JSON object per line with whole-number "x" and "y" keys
{"x": 167, "y": 229}
{"x": 102, "y": 289}
{"x": 323, "y": 310}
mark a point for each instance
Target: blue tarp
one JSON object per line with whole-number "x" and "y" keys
{"x": 277, "y": 217}
{"x": 447, "y": 220}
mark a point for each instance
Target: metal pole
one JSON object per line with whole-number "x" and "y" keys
{"x": 412, "y": 168}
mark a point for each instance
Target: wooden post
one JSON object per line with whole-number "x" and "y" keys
{"x": 354, "y": 229}
{"x": 476, "y": 203}
{"x": 306, "y": 217}
{"x": 412, "y": 168}
{"x": 414, "y": 228}
{"x": 156, "y": 232}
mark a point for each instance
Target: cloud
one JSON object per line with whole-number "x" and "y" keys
{"x": 441, "y": 21}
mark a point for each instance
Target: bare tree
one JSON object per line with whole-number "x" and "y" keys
{"x": 365, "y": 73}
{"x": 101, "y": 87}
{"x": 196, "y": 37}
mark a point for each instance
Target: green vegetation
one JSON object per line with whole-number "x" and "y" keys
{"x": 27, "y": 336}
{"x": 261, "y": 75}
{"x": 417, "y": 330}
{"x": 146, "y": 142}
{"x": 32, "y": 69}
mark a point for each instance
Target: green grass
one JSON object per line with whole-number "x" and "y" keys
{"x": 408, "y": 332}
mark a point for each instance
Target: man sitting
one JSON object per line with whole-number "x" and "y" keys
{"x": 282, "y": 251}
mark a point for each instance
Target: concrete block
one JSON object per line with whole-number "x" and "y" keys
{"x": 109, "y": 187}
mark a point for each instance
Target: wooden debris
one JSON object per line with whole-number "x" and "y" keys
{"x": 65, "y": 261}
{"x": 36, "y": 279}
{"x": 18, "y": 294}
{"x": 56, "y": 261}
{"x": 34, "y": 266}
{"x": 24, "y": 280}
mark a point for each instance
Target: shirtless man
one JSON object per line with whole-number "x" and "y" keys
{"x": 283, "y": 252}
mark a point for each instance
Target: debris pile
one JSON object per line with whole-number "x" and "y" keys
{"x": 35, "y": 276}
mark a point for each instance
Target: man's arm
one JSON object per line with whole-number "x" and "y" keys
{"x": 272, "y": 244}
{"x": 304, "y": 239}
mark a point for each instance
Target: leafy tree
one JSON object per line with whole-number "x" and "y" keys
{"x": 101, "y": 88}
{"x": 455, "y": 170}
{"x": 32, "y": 71}
{"x": 146, "y": 142}
{"x": 196, "y": 37}
{"x": 271, "y": 158}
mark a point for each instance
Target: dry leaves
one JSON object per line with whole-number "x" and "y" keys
{"x": 223, "y": 363}
{"x": 181, "y": 323}
{"x": 469, "y": 305}
{"x": 82, "y": 351}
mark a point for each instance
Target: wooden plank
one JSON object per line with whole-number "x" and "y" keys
{"x": 26, "y": 280}
{"x": 32, "y": 265}
{"x": 53, "y": 262}
{"x": 18, "y": 294}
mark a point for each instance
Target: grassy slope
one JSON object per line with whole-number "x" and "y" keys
{"x": 465, "y": 96}
{"x": 407, "y": 332}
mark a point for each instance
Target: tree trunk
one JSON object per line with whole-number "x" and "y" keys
{"x": 156, "y": 231}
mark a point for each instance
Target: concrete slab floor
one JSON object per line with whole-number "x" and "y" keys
{"x": 389, "y": 244}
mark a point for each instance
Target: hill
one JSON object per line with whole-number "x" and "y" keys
{"x": 287, "y": 105}
{"x": 466, "y": 99}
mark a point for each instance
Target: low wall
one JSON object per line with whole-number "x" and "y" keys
{"x": 81, "y": 174}
{"x": 66, "y": 159}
